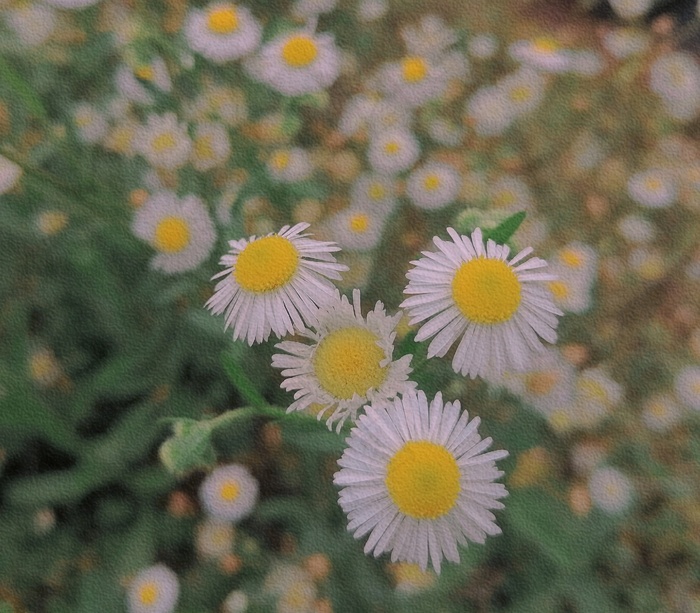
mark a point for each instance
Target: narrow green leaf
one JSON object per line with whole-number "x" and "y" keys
{"x": 242, "y": 382}
{"x": 22, "y": 89}
{"x": 502, "y": 233}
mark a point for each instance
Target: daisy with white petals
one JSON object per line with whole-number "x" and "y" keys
{"x": 154, "y": 590}
{"x": 348, "y": 363}
{"x": 179, "y": 229}
{"x": 433, "y": 186}
{"x": 274, "y": 283}
{"x": 222, "y": 31}
{"x": 164, "y": 141}
{"x": 416, "y": 479}
{"x": 495, "y": 307}
{"x": 297, "y": 63}
{"x": 229, "y": 493}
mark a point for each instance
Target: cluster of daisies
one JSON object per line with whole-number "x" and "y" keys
{"x": 415, "y": 477}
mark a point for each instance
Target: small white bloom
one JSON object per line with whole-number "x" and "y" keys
{"x": 433, "y": 185}
{"x": 91, "y": 123}
{"x": 33, "y": 23}
{"x": 214, "y": 538}
{"x": 542, "y": 53}
{"x": 297, "y": 63}
{"x": 348, "y": 363}
{"x": 488, "y": 111}
{"x": 211, "y": 146}
{"x": 610, "y": 490}
{"x": 676, "y": 78}
{"x": 654, "y": 188}
{"x": 130, "y": 88}
{"x": 290, "y": 165}
{"x": 393, "y": 151}
{"x": 229, "y": 493}
{"x": 9, "y": 174}
{"x": 154, "y": 590}
{"x": 431, "y": 37}
{"x": 415, "y": 478}
{"x": 371, "y": 10}
{"x": 623, "y": 42}
{"x": 483, "y": 46}
{"x": 596, "y": 394}
{"x": 414, "y": 80}
{"x": 375, "y": 192}
{"x": 661, "y": 412}
{"x": 687, "y": 387}
{"x": 356, "y": 228}
{"x": 236, "y": 602}
{"x": 631, "y": 9}
{"x": 522, "y": 91}
{"x": 308, "y": 9}
{"x": 222, "y": 31}
{"x": 510, "y": 194}
{"x": 575, "y": 266}
{"x": 636, "y": 229}
{"x": 179, "y": 229}
{"x": 164, "y": 142}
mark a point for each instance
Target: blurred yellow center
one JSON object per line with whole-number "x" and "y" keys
{"x": 392, "y": 147}
{"x": 414, "y": 69}
{"x": 571, "y": 258}
{"x": 592, "y": 389}
{"x": 559, "y": 289}
{"x": 486, "y": 291}
{"x": 376, "y": 191}
{"x": 299, "y": 51}
{"x": 347, "y": 362}
{"x": 653, "y": 184}
{"x": 203, "y": 148}
{"x": 545, "y": 45}
{"x": 423, "y": 480}
{"x": 163, "y": 142}
{"x": 359, "y": 223}
{"x": 148, "y": 594}
{"x": 229, "y": 491}
{"x": 223, "y": 20}
{"x": 280, "y": 160}
{"x": 658, "y": 408}
{"x": 145, "y": 73}
{"x": 431, "y": 182}
{"x": 504, "y": 199}
{"x": 520, "y": 94}
{"x": 172, "y": 235}
{"x": 266, "y": 264}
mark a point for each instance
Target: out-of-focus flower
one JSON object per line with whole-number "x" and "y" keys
{"x": 654, "y": 188}
{"x": 687, "y": 387}
{"x": 433, "y": 185}
{"x": 229, "y": 493}
{"x": 154, "y": 590}
{"x": 610, "y": 490}
{"x": 164, "y": 141}
{"x": 393, "y": 151}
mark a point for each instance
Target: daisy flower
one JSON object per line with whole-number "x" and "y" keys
{"x": 222, "y": 31}
{"x": 610, "y": 490}
{"x": 631, "y": 9}
{"x": 542, "y": 53}
{"x": 357, "y": 228}
{"x": 348, "y": 362}
{"x": 164, "y": 142}
{"x": 91, "y": 123}
{"x": 433, "y": 186}
{"x": 414, "y": 80}
{"x": 229, "y": 493}
{"x": 374, "y": 191}
{"x": 154, "y": 590}
{"x": 33, "y": 23}
{"x": 510, "y": 193}
{"x": 488, "y": 111}
{"x": 393, "y": 151}
{"x": 298, "y": 63}
{"x": 675, "y": 77}
{"x": 654, "y": 188}
{"x": 211, "y": 146}
{"x": 661, "y": 412}
{"x": 290, "y": 165}
{"x": 179, "y": 229}
{"x": 473, "y": 293}
{"x": 274, "y": 283}
{"x": 10, "y": 173}
{"x": 687, "y": 387}
{"x": 416, "y": 479}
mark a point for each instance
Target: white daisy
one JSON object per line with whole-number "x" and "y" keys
{"x": 179, "y": 229}
{"x": 687, "y": 387}
{"x": 575, "y": 266}
{"x": 211, "y": 146}
{"x": 393, "y": 151}
{"x": 164, "y": 141}
{"x": 154, "y": 590}
{"x": 9, "y": 174}
{"x": 676, "y": 78}
{"x": 636, "y": 229}
{"x": 91, "y": 123}
{"x": 274, "y": 283}
{"x": 497, "y": 307}
{"x": 129, "y": 86}
{"x": 371, "y": 10}
{"x": 33, "y": 23}
{"x": 290, "y": 165}
{"x": 229, "y": 493}
{"x": 236, "y": 602}
{"x": 416, "y": 479}
{"x": 374, "y": 191}
{"x": 488, "y": 111}
{"x": 510, "y": 193}
{"x": 348, "y": 364}
{"x": 654, "y": 188}
{"x": 610, "y": 490}
{"x": 623, "y": 42}
{"x": 222, "y": 31}
{"x": 483, "y": 46}
{"x": 542, "y": 53}
{"x": 433, "y": 186}
{"x": 214, "y": 538}
{"x": 357, "y": 228}
{"x": 661, "y": 412}
{"x": 297, "y": 63}
{"x": 523, "y": 91}
{"x": 413, "y": 80}
{"x": 445, "y": 132}
{"x": 631, "y": 9}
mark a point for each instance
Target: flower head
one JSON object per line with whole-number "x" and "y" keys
{"x": 497, "y": 308}
{"x": 229, "y": 493}
{"x": 416, "y": 479}
{"x": 274, "y": 283}
{"x": 348, "y": 363}
{"x": 154, "y": 590}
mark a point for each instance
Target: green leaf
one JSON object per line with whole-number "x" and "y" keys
{"x": 190, "y": 446}
{"x": 22, "y": 90}
{"x": 502, "y": 233}
{"x": 242, "y": 382}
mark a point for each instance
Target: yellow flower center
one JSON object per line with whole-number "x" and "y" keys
{"x": 392, "y": 147}
{"x": 540, "y": 383}
{"x": 172, "y": 235}
{"x": 431, "y": 182}
{"x": 559, "y": 289}
{"x": 163, "y": 142}
{"x": 148, "y": 594}
{"x": 203, "y": 148}
{"x": 486, "y": 291}
{"x": 223, "y": 20}
{"x": 571, "y": 258}
{"x": 520, "y": 94}
{"x": 592, "y": 389}
{"x": 229, "y": 491}
{"x": 504, "y": 199}
{"x": 545, "y": 45}
{"x": 658, "y": 408}
{"x": 266, "y": 264}
{"x": 414, "y": 69}
{"x": 299, "y": 51}
{"x": 144, "y": 73}
{"x": 280, "y": 160}
{"x": 359, "y": 223}
{"x": 653, "y": 184}
{"x": 559, "y": 420}
{"x": 376, "y": 191}
{"x": 423, "y": 480}
{"x": 346, "y": 362}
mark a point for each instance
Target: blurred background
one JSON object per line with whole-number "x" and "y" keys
{"x": 582, "y": 114}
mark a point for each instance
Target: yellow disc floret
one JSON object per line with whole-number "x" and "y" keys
{"x": 376, "y": 191}
{"x": 431, "y": 182}
{"x": 203, "y": 148}
{"x": 172, "y": 235}
{"x": 414, "y": 69}
{"x": 392, "y": 147}
{"x": 266, "y": 264}
{"x": 572, "y": 258}
{"x": 545, "y": 45}
{"x": 148, "y": 593}
{"x": 359, "y": 223}
{"x": 486, "y": 291}
{"x": 423, "y": 480}
{"x": 223, "y": 20}
{"x": 347, "y": 362}
{"x": 229, "y": 491}
{"x": 299, "y": 51}
{"x": 163, "y": 142}
{"x": 559, "y": 289}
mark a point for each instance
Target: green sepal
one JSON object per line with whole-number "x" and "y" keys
{"x": 189, "y": 447}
